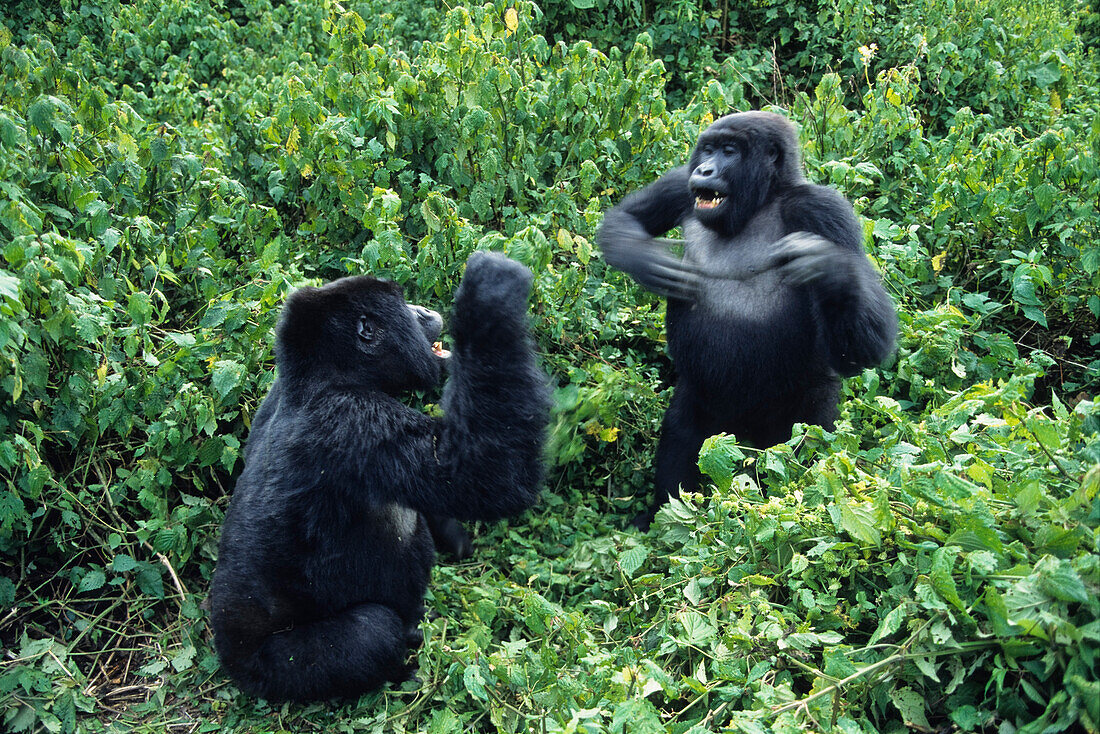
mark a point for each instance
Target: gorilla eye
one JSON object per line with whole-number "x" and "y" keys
{"x": 366, "y": 329}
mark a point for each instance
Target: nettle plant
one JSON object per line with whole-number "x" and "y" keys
{"x": 169, "y": 170}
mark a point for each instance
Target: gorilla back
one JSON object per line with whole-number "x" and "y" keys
{"x": 772, "y": 301}
{"x": 326, "y": 548}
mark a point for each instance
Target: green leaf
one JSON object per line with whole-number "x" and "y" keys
{"x": 227, "y": 376}
{"x": 474, "y": 682}
{"x": 1058, "y": 580}
{"x": 631, "y": 560}
{"x": 638, "y": 716}
{"x": 890, "y": 624}
{"x": 9, "y": 287}
{"x": 123, "y": 563}
{"x": 41, "y": 115}
{"x": 1045, "y": 195}
{"x": 859, "y": 521}
{"x": 943, "y": 561}
{"x": 719, "y": 458}
{"x": 150, "y": 581}
{"x": 91, "y": 581}
{"x": 911, "y": 705}
{"x": 697, "y": 627}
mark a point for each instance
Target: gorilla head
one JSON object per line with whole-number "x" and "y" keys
{"x": 740, "y": 162}
{"x": 362, "y": 328}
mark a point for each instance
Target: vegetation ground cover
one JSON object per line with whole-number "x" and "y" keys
{"x": 169, "y": 170}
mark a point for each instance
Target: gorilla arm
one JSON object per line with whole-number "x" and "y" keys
{"x": 824, "y": 253}
{"x": 483, "y": 459}
{"x": 628, "y": 235}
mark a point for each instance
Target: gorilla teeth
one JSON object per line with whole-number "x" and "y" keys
{"x": 701, "y": 203}
{"x": 439, "y": 351}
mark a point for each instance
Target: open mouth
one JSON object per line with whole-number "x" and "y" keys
{"x": 708, "y": 199}
{"x": 439, "y": 351}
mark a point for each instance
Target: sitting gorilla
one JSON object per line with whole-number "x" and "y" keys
{"x": 326, "y": 551}
{"x": 771, "y": 302}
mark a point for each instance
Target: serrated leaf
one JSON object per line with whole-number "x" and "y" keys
{"x": 911, "y": 705}
{"x": 719, "y": 458}
{"x": 158, "y": 149}
{"x": 92, "y": 580}
{"x": 1058, "y": 580}
{"x": 859, "y": 521}
{"x": 41, "y": 114}
{"x": 474, "y": 682}
{"x": 631, "y": 560}
{"x": 638, "y": 716}
{"x": 697, "y": 627}
{"x": 1045, "y": 195}
{"x": 184, "y": 659}
{"x": 123, "y": 563}
{"x": 943, "y": 562}
{"x": 150, "y": 581}
{"x": 9, "y": 287}
{"x": 693, "y": 591}
{"x": 227, "y": 376}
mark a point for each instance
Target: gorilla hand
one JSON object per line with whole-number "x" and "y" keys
{"x": 491, "y": 301}
{"x": 494, "y": 280}
{"x": 628, "y": 247}
{"x": 804, "y": 258}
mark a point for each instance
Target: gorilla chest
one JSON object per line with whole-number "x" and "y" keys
{"x": 743, "y": 293}
{"x": 745, "y": 319}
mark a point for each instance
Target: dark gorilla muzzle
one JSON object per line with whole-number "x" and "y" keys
{"x": 431, "y": 323}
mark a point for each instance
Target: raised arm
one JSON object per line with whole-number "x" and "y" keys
{"x": 489, "y": 442}
{"x": 628, "y": 235}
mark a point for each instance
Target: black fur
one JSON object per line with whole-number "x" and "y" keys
{"x": 326, "y": 551}
{"x": 773, "y": 300}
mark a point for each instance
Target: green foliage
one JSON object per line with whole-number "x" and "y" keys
{"x": 169, "y": 170}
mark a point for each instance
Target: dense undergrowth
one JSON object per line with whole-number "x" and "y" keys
{"x": 169, "y": 169}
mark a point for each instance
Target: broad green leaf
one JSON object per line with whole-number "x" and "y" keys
{"x": 719, "y": 458}
{"x": 943, "y": 562}
{"x": 227, "y": 375}
{"x": 697, "y": 627}
{"x": 91, "y": 581}
{"x": 1058, "y": 580}
{"x": 123, "y": 563}
{"x": 631, "y": 560}
{"x": 859, "y": 521}
{"x": 474, "y": 682}
{"x": 911, "y": 705}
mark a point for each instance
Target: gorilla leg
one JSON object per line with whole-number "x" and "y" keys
{"x": 682, "y": 435}
{"x": 358, "y": 649}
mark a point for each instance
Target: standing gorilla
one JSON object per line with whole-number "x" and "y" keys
{"x": 772, "y": 301}
{"x": 326, "y": 551}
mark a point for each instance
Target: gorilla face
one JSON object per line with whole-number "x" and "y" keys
{"x": 714, "y": 165}
{"x": 397, "y": 344}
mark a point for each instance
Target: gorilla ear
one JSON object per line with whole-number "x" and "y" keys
{"x": 775, "y": 152}
{"x": 365, "y": 329}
